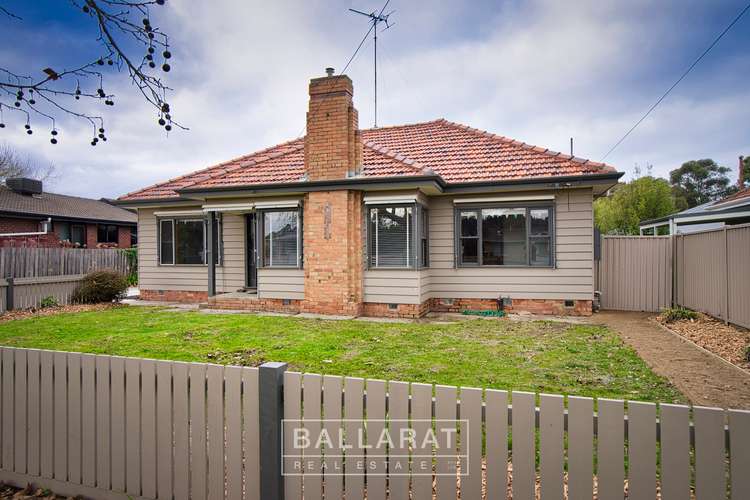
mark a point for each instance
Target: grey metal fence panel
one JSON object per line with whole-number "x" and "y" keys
{"x": 635, "y": 273}
{"x": 190, "y": 430}
{"x": 713, "y": 273}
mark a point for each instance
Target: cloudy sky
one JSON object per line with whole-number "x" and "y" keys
{"x": 538, "y": 71}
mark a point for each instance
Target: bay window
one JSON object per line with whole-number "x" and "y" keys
{"x": 504, "y": 236}
{"x": 281, "y": 237}
{"x": 183, "y": 241}
{"x": 397, "y": 236}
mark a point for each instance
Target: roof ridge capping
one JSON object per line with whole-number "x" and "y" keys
{"x": 400, "y": 157}
{"x": 524, "y": 145}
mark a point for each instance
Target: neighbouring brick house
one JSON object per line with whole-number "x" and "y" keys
{"x": 392, "y": 221}
{"x": 31, "y": 217}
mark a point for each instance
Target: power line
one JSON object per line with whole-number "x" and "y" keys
{"x": 361, "y": 43}
{"x": 695, "y": 63}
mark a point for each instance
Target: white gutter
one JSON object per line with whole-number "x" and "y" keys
{"x": 35, "y": 233}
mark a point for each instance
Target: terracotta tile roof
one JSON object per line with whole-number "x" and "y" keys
{"x": 739, "y": 195}
{"x": 63, "y": 206}
{"x": 455, "y": 152}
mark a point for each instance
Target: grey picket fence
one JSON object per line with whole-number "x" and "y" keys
{"x": 113, "y": 427}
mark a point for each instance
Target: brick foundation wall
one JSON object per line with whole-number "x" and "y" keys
{"x": 377, "y": 310}
{"x": 535, "y": 306}
{"x": 186, "y": 296}
{"x": 259, "y": 305}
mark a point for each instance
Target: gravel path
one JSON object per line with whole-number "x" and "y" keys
{"x": 702, "y": 377}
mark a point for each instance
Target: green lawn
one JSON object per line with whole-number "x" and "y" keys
{"x": 532, "y": 356}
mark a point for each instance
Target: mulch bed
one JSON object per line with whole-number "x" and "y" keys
{"x": 726, "y": 341}
{"x": 11, "y": 492}
{"x": 49, "y": 311}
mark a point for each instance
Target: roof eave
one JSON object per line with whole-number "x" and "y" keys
{"x": 603, "y": 180}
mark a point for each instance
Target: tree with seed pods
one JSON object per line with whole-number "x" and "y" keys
{"x": 129, "y": 44}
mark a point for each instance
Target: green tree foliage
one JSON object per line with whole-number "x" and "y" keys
{"x": 746, "y": 171}
{"x": 643, "y": 198}
{"x": 700, "y": 181}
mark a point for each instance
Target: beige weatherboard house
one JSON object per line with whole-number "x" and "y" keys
{"x": 391, "y": 221}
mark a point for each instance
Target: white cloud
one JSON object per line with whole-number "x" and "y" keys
{"x": 539, "y": 71}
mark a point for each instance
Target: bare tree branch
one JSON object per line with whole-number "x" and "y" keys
{"x": 53, "y": 94}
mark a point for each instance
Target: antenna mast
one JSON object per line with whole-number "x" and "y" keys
{"x": 375, "y": 19}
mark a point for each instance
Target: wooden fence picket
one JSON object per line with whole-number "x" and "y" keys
{"x": 113, "y": 427}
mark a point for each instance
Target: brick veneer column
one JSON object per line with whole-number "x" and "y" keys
{"x": 333, "y": 252}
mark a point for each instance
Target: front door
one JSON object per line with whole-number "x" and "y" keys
{"x": 251, "y": 251}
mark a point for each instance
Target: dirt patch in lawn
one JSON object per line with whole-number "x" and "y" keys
{"x": 726, "y": 341}
{"x": 51, "y": 311}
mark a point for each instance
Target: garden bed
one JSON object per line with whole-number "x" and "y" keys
{"x": 726, "y": 341}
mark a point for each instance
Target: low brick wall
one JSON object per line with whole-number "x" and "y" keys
{"x": 551, "y": 307}
{"x": 186, "y": 296}
{"x": 379, "y": 310}
{"x": 249, "y": 304}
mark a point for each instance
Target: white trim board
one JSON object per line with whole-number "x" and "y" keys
{"x": 540, "y": 197}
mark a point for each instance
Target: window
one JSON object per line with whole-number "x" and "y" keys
{"x": 183, "y": 241}
{"x": 281, "y": 238}
{"x": 106, "y": 233}
{"x": 166, "y": 241}
{"x": 504, "y": 236}
{"x": 390, "y": 231}
{"x": 398, "y": 236}
{"x": 78, "y": 234}
{"x": 63, "y": 230}
{"x": 133, "y": 236}
{"x": 424, "y": 237}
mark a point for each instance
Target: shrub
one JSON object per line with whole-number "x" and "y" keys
{"x": 48, "y": 301}
{"x": 747, "y": 354}
{"x": 131, "y": 254}
{"x": 671, "y": 314}
{"x": 100, "y": 286}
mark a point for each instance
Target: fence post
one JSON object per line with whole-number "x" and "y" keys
{"x": 9, "y": 292}
{"x": 271, "y": 408}
{"x": 726, "y": 276}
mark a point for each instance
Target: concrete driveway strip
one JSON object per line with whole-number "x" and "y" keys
{"x": 704, "y": 378}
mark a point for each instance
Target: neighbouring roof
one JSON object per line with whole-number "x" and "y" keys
{"x": 63, "y": 206}
{"x": 739, "y": 201}
{"x": 455, "y": 152}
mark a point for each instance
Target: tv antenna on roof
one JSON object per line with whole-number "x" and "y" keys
{"x": 376, "y": 19}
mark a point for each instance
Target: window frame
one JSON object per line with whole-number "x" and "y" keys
{"x": 418, "y": 215}
{"x": 260, "y": 238}
{"x": 219, "y": 230}
{"x": 527, "y": 206}
{"x": 107, "y": 228}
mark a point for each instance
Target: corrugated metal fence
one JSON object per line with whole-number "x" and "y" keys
{"x": 29, "y": 292}
{"x": 635, "y": 272}
{"x": 36, "y": 262}
{"x": 111, "y": 427}
{"x": 707, "y": 271}
{"x": 713, "y": 273}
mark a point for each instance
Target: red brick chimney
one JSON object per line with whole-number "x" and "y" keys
{"x": 332, "y": 234}
{"x": 741, "y": 169}
{"x": 333, "y": 146}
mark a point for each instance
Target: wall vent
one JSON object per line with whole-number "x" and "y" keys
{"x": 570, "y": 303}
{"x": 392, "y": 307}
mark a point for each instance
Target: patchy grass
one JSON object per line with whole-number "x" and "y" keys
{"x": 532, "y": 356}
